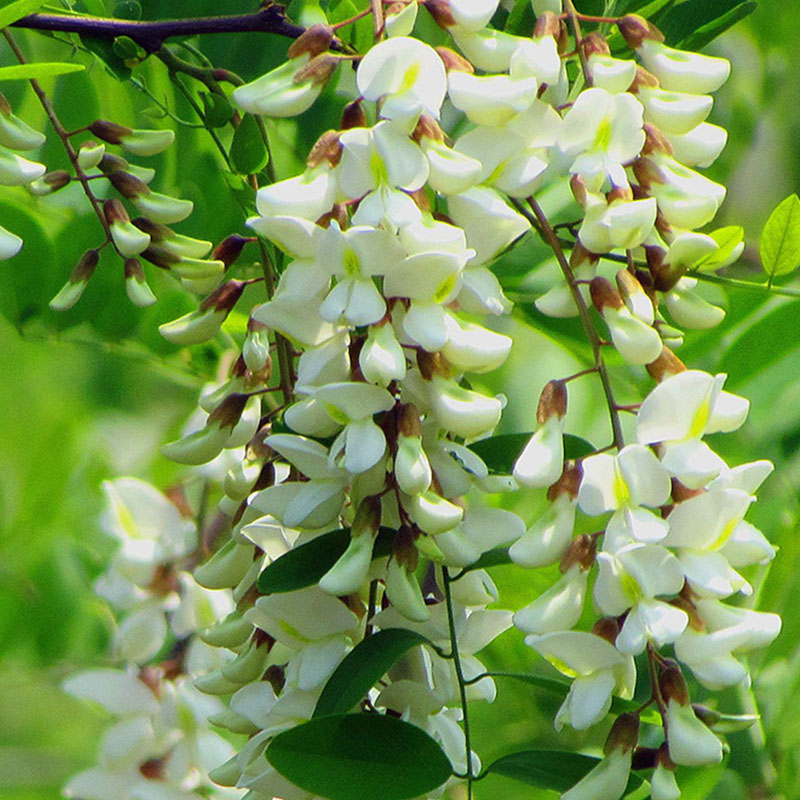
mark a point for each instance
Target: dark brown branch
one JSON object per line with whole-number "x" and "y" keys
{"x": 151, "y": 35}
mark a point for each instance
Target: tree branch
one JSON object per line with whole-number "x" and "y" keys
{"x": 150, "y": 35}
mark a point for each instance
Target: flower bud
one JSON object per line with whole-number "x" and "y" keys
{"x": 200, "y": 325}
{"x": 665, "y": 365}
{"x": 176, "y": 243}
{"x": 138, "y": 142}
{"x": 158, "y": 207}
{"x": 624, "y": 733}
{"x": 14, "y": 133}
{"x": 453, "y": 62}
{"x": 351, "y": 570}
{"x": 381, "y": 359}
{"x": 313, "y": 40}
{"x": 542, "y": 460}
{"x": 440, "y": 11}
{"x": 128, "y": 239}
{"x": 10, "y": 244}
{"x": 226, "y": 567}
{"x": 249, "y": 665}
{"x": 690, "y": 310}
{"x": 400, "y": 17}
{"x": 635, "y": 297}
{"x": 473, "y": 348}
{"x": 110, "y": 163}
{"x": 635, "y": 30}
{"x": 353, "y": 115}
{"x": 215, "y": 683}
{"x": 17, "y": 171}
{"x": 412, "y": 469}
{"x": 136, "y": 286}
{"x": 433, "y": 514}
{"x": 72, "y": 290}
{"x": 49, "y": 182}
{"x": 462, "y": 411}
{"x": 402, "y": 587}
{"x": 230, "y": 632}
{"x": 90, "y": 154}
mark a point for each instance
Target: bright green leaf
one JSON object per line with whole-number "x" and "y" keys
{"x": 17, "y": 10}
{"x": 305, "y": 565}
{"x": 44, "y": 69}
{"x": 728, "y": 239}
{"x": 780, "y": 240}
{"x": 500, "y": 452}
{"x": 248, "y": 151}
{"x": 549, "y": 769}
{"x": 360, "y": 757}
{"x": 363, "y": 666}
{"x": 708, "y": 32}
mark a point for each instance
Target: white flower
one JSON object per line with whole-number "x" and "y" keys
{"x": 557, "y": 609}
{"x": 690, "y": 742}
{"x": 601, "y": 133}
{"x": 473, "y": 15}
{"x": 408, "y": 75}
{"x": 682, "y": 71}
{"x": 490, "y": 99}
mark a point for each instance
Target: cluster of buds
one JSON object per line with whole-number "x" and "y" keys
{"x": 390, "y": 233}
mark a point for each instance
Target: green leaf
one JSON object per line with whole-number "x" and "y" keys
{"x": 104, "y": 50}
{"x": 217, "y": 109}
{"x": 17, "y": 10}
{"x": 43, "y": 69}
{"x": 248, "y": 152}
{"x": 549, "y": 769}
{"x": 521, "y": 18}
{"x": 363, "y": 666}
{"x": 500, "y": 452}
{"x": 780, "y": 240}
{"x": 685, "y": 20}
{"x": 127, "y": 9}
{"x": 305, "y": 565}
{"x": 360, "y": 757}
{"x": 728, "y": 239}
{"x": 707, "y": 33}
{"x": 497, "y": 557}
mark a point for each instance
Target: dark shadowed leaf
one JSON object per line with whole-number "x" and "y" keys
{"x": 248, "y": 152}
{"x": 360, "y": 757}
{"x": 363, "y": 667}
{"x": 500, "y": 452}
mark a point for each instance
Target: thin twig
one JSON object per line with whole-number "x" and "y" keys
{"x": 576, "y": 31}
{"x": 62, "y": 134}
{"x": 543, "y": 224}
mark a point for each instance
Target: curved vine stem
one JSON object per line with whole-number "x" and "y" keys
{"x": 538, "y": 219}
{"x": 462, "y": 685}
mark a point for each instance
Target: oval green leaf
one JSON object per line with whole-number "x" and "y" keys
{"x": 44, "y": 69}
{"x": 780, "y": 240}
{"x": 500, "y": 452}
{"x": 360, "y": 757}
{"x": 305, "y": 565}
{"x": 17, "y": 10}
{"x": 248, "y": 151}
{"x": 549, "y": 769}
{"x": 363, "y": 666}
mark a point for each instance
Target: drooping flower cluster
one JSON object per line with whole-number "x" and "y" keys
{"x": 389, "y": 236}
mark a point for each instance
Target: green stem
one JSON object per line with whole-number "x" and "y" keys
{"x": 735, "y": 283}
{"x": 462, "y": 685}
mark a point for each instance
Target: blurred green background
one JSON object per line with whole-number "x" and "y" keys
{"x": 88, "y": 394}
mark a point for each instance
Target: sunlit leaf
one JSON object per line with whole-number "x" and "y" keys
{"x": 17, "y": 10}
{"x": 779, "y": 246}
{"x": 43, "y": 69}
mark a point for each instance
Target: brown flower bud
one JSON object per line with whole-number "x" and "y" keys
{"x": 568, "y": 483}
{"x": 326, "y": 148}
{"x": 114, "y": 211}
{"x": 128, "y": 185}
{"x": 229, "y": 411}
{"x": 225, "y": 297}
{"x": 85, "y": 267}
{"x": 578, "y": 187}
{"x": 404, "y": 551}
{"x": 110, "y": 132}
{"x": 606, "y": 628}
{"x": 431, "y": 364}
{"x": 695, "y": 620}
{"x": 582, "y": 550}
{"x": 110, "y": 163}
{"x": 156, "y": 230}
{"x": 134, "y": 269}
{"x": 353, "y": 116}
{"x": 427, "y": 127}
{"x": 664, "y": 275}
{"x": 643, "y": 79}
{"x": 655, "y": 141}
{"x": 624, "y": 733}
{"x": 408, "y": 422}
{"x": 593, "y": 43}
{"x": 367, "y": 520}
{"x": 229, "y": 249}
{"x": 647, "y": 172}
{"x": 672, "y": 683}
{"x": 580, "y": 255}
{"x": 548, "y": 24}
{"x": 338, "y": 213}
{"x": 636, "y": 29}
{"x": 604, "y": 294}
{"x": 453, "y": 62}
{"x": 440, "y": 11}
{"x": 552, "y": 401}
{"x": 318, "y": 70}
{"x": 314, "y": 40}
{"x": 627, "y": 283}
{"x": 160, "y": 256}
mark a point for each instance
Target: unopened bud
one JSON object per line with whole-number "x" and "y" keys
{"x": 606, "y": 628}
{"x": 604, "y": 294}
{"x": 552, "y": 402}
{"x": 229, "y": 249}
{"x": 672, "y": 684}
{"x": 578, "y": 187}
{"x": 79, "y": 279}
{"x": 314, "y": 40}
{"x": 453, "y": 62}
{"x": 549, "y": 24}
{"x": 568, "y": 483}
{"x": 643, "y": 80}
{"x": 624, "y": 733}
{"x": 408, "y": 422}
{"x": 431, "y": 364}
{"x": 428, "y": 127}
{"x": 128, "y": 185}
{"x": 580, "y": 255}
{"x": 636, "y": 29}
{"x": 326, "y": 148}
{"x": 595, "y": 44}
{"x": 665, "y": 365}
{"x": 440, "y": 11}
{"x": 110, "y": 132}
{"x": 49, "y": 182}
{"x": 228, "y": 413}
{"x": 136, "y": 286}
{"x": 318, "y": 70}
{"x": 695, "y": 620}
{"x": 664, "y": 275}
{"x": 90, "y": 154}
{"x": 225, "y": 297}
{"x": 353, "y": 116}
{"x": 114, "y": 211}
{"x": 582, "y": 550}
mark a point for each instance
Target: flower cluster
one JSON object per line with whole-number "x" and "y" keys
{"x": 386, "y": 298}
